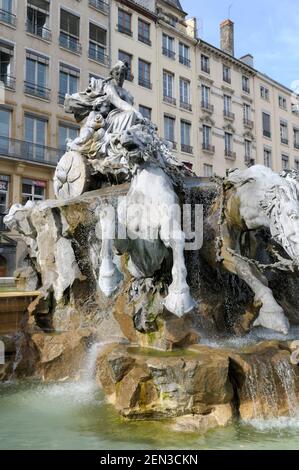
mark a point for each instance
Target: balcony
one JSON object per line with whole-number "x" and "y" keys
{"x": 185, "y": 105}
{"x": 208, "y": 148}
{"x": 36, "y": 90}
{"x": 169, "y": 100}
{"x": 144, "y": 39}
{"x": 186, "y": 148}
{"x": 248, "y": 123}
{"x": 9, "y": 82}
{"x": 8, "y": 18}
{"x": 3, "y": 227}
{"x": 71, "y": 43}
{"x": 21, "y": 150}
{"x": 40, "y": 31}
{"x": 185, "y": 61}
{"x": 230, "y": 155}
{"x": 100, "y": 5}
{"x": 168, "y": 53}
{"x": 145, "y": 83}
{"x": 122, "y": 29}
{"x": 228, "y": 115}
{"x": 207, "y": 106}
{"x": 97, "y": 54}
{"x": 284, "y": 140}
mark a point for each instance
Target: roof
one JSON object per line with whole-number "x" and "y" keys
{"x": 175, "y": 3}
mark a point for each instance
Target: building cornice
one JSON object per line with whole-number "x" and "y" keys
{"x": 140, "y": 9}
{"x": 173, "y": 7}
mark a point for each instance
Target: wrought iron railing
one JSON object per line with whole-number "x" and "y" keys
{"x": 168, "y": 53}
{"x": 22, "y": 150}
{"x": 96, "y": 53}
{"x": 169, "y": 100}
{"x": 40, "y": 31}
{"x": 70, "y": 42}
{"x": 37, "y": 90}
{"x": 9, "y": 82}
{"x": 185, "y": 61}
{"x": 186, "y": 148}
{"x": 8, "y": 17}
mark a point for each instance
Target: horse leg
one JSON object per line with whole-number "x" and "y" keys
{"x": 271, "y": 314}
{"x": 179, "y": 300}
{"x": 109, "y": 276}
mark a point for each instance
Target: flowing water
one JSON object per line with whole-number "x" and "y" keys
{"x": 76, "y": 416}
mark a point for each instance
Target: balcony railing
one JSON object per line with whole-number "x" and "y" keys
{"x": 40, "y": 31}
{"x": 144, "y": 39}
{"x": 8, "y": 17}
{"x": 227, "y": 79}
{"x": 168, "y": 53}
{"x": 185, "y": 105}
{"x": 21, "y": 150}
{"x": 208, "y": 148}
{"x": 207, "y": 106}
{"x": 34, "y": 89}
{"x": 248, "y": 123}
{"x": 228, "y": 114}
{"x": 3, "y": 227}
{"x": 96, "y": 53}
{"x": 145, "y": 83}
{"x": 246, "y": 89}
{"x": 230, "y": 155}
{"x": 9, "y": 82}
{"x": 61, "y": 98}
{"x": 185, "y": 61}
{"x": 205, "y": 68}
{"x": 267, "y": 134}
{"x": 122, "y": 29}
{"x": 70, "y": 42}
{"x": 186, "y": 148}
{"x": 100, "y": 5}
{"x": 285, "y": 140}
{"x": 169, "y": 100}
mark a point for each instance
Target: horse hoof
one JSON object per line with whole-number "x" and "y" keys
{"x": 179, "y": 303}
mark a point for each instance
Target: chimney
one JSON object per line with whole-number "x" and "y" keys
{"x": 227, "y": 37}
{"x": 248, "y": 60}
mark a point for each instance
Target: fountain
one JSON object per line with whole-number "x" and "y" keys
{"x": 122, "y": 277}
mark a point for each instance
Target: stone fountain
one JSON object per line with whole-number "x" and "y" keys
{"x": 159, "y": 268}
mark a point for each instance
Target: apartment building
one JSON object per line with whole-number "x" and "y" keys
{"x": 216, "y": 110}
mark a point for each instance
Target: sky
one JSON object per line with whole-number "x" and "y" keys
{"x": 268, "y": 29}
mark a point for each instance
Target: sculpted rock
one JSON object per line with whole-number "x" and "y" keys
{"x": 220, "y": 416}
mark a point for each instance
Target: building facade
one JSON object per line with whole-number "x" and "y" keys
{"x": 216, "y": 110}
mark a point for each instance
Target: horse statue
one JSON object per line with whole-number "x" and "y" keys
{"x": 253, "y": 199}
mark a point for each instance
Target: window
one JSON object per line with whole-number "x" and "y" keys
{"x": 184, "y": 54}
{"x": 144, "y": 32}
{"x": 169, "y": 126}
{"x": 265, "y": 93}
{"x": 145, "y": 111}
{"x": 245, "y": 84}
{"x": 248, "y": 150}
{"x": 282, "y": 101}
{"x": 69, "y": 31}
{"x": 228, "y": 138}
{"x": 102, "y": 5}
{"x": 266, "y": 125}
{"x": 207, "y": 170}
{"x": 68, "y": 81}
{"x": 33, "y": 190}
{"x": 227, "y": 101}
{"x": 38, "y": 18}
{"x": 205, "y": 96}
{"x": 6, "y": 14}
{"x": 144, "y": 69}
{"x": 168, "y": 46}
{"x": 35, "y": 136}
{"x": 226, "y": 74}
{"x": 205, "y": 63}
{"x": 168, "y": 87}
{"x": 6, "y": 62}
{"x": 268, "y": 157}
{"x": 296, "y": 164}
{"x": 285, "y": 164}
{"x": 296, "y": 137}
{"x": 5, "y": 119}
{"x": 4, "y": 192}
{"x": 284, "y": 133}
{"x": 128, "y": 58}
{"x": 186, "y": 137}
{"x": 185, "y": 94}
{"x": 66, "y": 133}
{"x": 206, "y": 137}
{"x": 97, "y": 44}
{"x": 36, "y": 75}
{"x": 247, "y": 115}
{"x": 124, "y": 22}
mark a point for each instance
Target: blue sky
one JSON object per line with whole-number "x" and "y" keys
{"x": 268, "y": 29}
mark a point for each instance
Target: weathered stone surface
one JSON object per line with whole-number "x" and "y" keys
{"x": 220, "y": 416}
